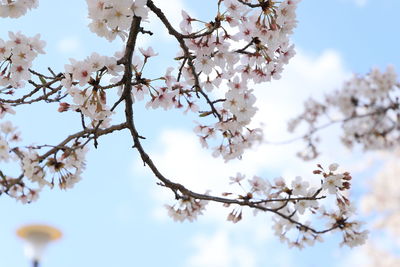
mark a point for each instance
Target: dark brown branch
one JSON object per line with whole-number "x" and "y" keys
{"x": 98, "y": 132}
{"x": 187, "y": 55}
{"x": 263, "y": 3}
{"x": 45, "y": 96}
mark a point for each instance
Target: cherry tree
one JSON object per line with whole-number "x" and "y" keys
{"x": 381, "y": 201}
{"x": 246, "y": 43}
{"x": 366, "y": 107}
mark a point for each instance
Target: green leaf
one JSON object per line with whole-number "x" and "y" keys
{"x": 42, "y": 80}
{"x": 205, "y": 114}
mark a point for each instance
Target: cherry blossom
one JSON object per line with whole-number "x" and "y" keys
{"x": 16, "y": 8}
{"x": 187, "y": 209}
{"x": 16, "y": 56}
{"x": 367, "y": 107}
{"x": 211, "y": 79}
{"x": 111, "y": 18}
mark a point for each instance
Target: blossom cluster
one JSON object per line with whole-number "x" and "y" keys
{"x": 247, "y": 45}
{"x": 82, "y": 79}
{"x": 112, "y": 18}
{"x": 64, "y": 171}
{"x": 172, "y": 94}
{"x": 292, "y": 204}
{"x": 384, "y": 196}
{"x": 212, "y": 58}
{"x": 16, "y": 57}
{"x": 5, "y": 109}
{"x": 16, "y": 8}
{"x": 9, "y": 135}
{"x": 36, "y": 170}
{"x": 187, "y": 208}
{"x": 381, "y": 204}
{"x": 367, "y": 107}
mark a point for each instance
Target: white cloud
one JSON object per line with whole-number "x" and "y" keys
{"x": 69, "y": 45}
{"x": 219, "y": 251}
{"x": 172, "y": 10}
{"x": 356, "y": 257}
{"x": 305, "y": 76}
{"x": 361, "y": 3}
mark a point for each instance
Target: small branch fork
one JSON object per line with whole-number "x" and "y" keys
{"x": 187, "y": 56}
{"x": 44, "y": 86}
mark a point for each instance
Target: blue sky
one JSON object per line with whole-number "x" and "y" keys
{"x": 115, "y": 215}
